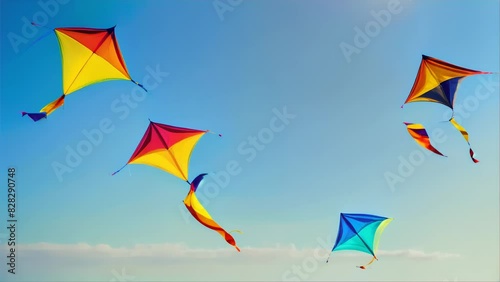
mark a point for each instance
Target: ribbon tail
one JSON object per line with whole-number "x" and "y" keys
{"x": 364, "y": 266}
{"x": 419, "y": 134}
{"x": 47, "y": 110}
{"x": 466, "y": 137}
{"x": 35, "y": 116}
{"x": 201, "y": 214}
{"x": 472, "y": 156}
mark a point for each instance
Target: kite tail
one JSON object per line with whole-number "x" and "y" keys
{"x": 47, "y": 110}
{"x": 35, "y": 116}
{"x": 364, "y": 266}
{"x": 140, "y": 85}
{"x": 229, "y": 239}
{"x": 418, "y": 132}
{"x": 472, "y": 156}
{"x": 201, "y": 214}
{"x": 52, "y": 106}
{"x": 327, "y": 259}
{"x": 466, "y": 137}
{"x": 119, "y": 170}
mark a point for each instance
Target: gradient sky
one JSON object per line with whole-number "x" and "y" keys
{"x": 227, "y": 75}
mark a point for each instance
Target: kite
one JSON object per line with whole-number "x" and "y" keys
{"x": 89, "y": 56}
{"x": 169, "y": 148}
{"x": 360, "y": 232}
{"x": 437, "y": 82}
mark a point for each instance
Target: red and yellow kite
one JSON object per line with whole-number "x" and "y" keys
{"x": 437, "y": 82}
{"x": 169, "y": 148}
{"x": 89, "y": 56}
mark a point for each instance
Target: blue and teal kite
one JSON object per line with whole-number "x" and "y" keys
{"x": 360, "y": 232}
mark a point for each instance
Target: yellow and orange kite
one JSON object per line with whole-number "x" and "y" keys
{"x": 89, "y": 56}
{"x": 437, "y": 82}
{"x": 169, "y": 148}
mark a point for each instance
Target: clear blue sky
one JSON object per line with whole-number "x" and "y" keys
{"x": 227, "y": 74}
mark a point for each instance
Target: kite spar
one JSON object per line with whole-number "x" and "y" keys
{"x": 360, "y": 232}
{"x": 89, "y": 56}
{"x": 169, "y": 148}
{"x": 437, "y": 82}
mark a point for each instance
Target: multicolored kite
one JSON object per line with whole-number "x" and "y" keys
{"x": 437, "y": 81}
{"x": 360, "y": 232}
{"x": 169, "y": 148}
{"x": 89, "y": 56}
{"x": 166, "y": 147}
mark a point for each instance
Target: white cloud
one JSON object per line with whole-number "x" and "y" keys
{"x": 175, "y": 262}
{"x": 416, "y": 254}
{"x": 182, "y": 251}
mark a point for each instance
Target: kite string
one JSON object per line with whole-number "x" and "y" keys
{"x": 138, "y": 84}
{"x": 47, "y": 33}
{"x": 42, "y": 26}
{"x": 119, "y": 170}
{"x": 209, "y": 131}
